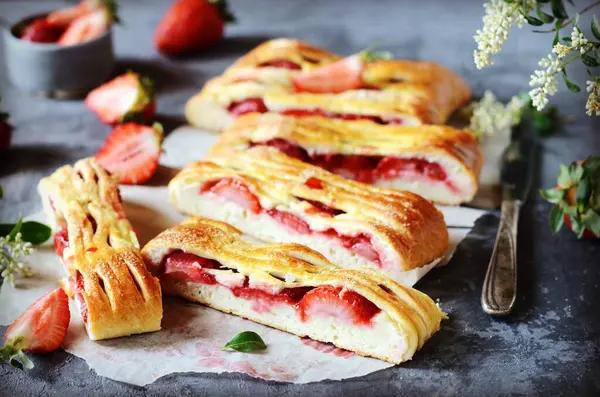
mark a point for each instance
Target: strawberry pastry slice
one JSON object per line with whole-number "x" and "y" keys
{"x": 292, "y": 288}
{"x": 113, "y": 290}
{"x": 439, "y": 163}
{"x": 277, "y": 198}
{"x": 295, "y": 78}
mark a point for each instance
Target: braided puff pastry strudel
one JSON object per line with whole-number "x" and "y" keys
{"x": 439, "y": 163}
{"x": 114, "y": 291}
{"x": 292, "y": 288}
{"x": 276, "y": 198}
{"x": 392, "y": 91}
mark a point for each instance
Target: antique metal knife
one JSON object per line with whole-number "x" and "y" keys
{"x": 500, "y": 285}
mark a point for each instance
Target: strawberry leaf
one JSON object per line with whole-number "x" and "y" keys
{"x": 577, "y": 226}
{"x": 564, "y": 178}
{"x": 552, "y": 195}
{"x": 245, "y": 342}
{"x": 591, "y": 221}
{"x": 557, "y": 217}
{"x": 223, "y": 10}
{"x": 576, "y": 172}
{"x": 583, "y": 194}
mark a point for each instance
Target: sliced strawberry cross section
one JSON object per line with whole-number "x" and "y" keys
{"x": 188, "y": 267}
{"x": 343, "y": 75}
{"x": 232, "y": 189}
{"x": 42, "y": 327}
{"x": 338, "y": 303}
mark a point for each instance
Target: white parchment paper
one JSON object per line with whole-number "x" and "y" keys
{"x": 192, "y": 336}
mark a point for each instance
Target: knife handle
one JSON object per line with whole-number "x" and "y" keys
{"x": 500, "y": 285}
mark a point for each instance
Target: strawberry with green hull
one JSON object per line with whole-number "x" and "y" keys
{"x": 576, "y": 198}
{"x": 64, "y": 17}
{"x": 191, "y": 25}
{"x": 131, "y": 152}
{"x": 128, "y": 97}
{"x": 40, "y": 329}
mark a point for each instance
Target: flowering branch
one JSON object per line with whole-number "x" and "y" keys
{"x": 501, "y": 15}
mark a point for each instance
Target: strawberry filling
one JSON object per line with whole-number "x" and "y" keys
{"x": 257, "y": 105}
{"x": 61, "y": 241}
{"x": 363, "y": 168}
{"x": 79, "y": 288}
{"x": 238, "y": 192}
{"x": 325, "y": 301}
{"x": 282, "y": 64}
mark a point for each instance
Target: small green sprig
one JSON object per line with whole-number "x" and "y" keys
{"x": 576, "y": 196}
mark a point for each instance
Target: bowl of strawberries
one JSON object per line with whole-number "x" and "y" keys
{"x": 63, "y": 53}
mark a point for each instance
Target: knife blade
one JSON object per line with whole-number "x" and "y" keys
{"x": 500, "y": 285}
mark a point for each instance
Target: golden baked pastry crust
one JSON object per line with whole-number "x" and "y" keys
{"x": 417, "y": 91}
{"x": 406, "y": 223}
{"x": 325, "y": 135}
{"x": 293, "y": 265}
{"x": 121, "y": 296}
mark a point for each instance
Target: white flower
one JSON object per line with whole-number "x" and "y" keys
{"x": 544, "y": 81}
{"x": 593, "y": 103}
{"x": 578, "y": 40}
{"x": 497, "y": 21}
{"x": 561, "y": 50}
{"x": 11, "y": 257}
{"x": 491, "y": 116}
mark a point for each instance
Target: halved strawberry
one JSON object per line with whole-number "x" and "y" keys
{"x": 337, "y": 302}
{"x": 131, "y": 152}
{"x": 340, "y": 76}
{"x": 87, "y": 27}
{"x": 40, "y": 329}
{"x": 128, "y": 97}
{"x": 40, "y": 31}
{"x": 188, "y": 267}
{"x": 235, "y": 190}
{"x": 64, "y": 17}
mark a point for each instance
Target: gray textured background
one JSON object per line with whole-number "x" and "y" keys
{"x": 549, "y": 346}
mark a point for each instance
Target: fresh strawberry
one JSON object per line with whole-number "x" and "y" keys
{"x": 5, "y": 131}
{"x": 87, "y": 27}
{"x": 577, "y": 198}
{"x": 40, "y": 329}
{"x": 40, "y": 31}
{"x": 191, "y": 25}
{"x": 188, "y": 267}
{"x": 234, "y": 190}
{"x": 64, "y": 17}
{"x": 343, "y": 75}
{"x": 131, "y": 152}
{"x": 338, "y": 303}
{"x": 128, "y": 97}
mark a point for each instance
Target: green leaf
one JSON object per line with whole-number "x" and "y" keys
{"x": 595, "y": 27}
{"x": 247, "y": 341}
{"x": 546, "y": 18}
{"x": 33, "y": 232}
{"x": 591, "y": 221}
{"x": 15, "y": 229}
{"x": 557, "y": 26}
{"x": 223, "y": 10}
{"x": 570, "y": 85}
{"x": 533, "y": 20}
{"x": 568, "y": 209}
{"x": 557, "y": 218}
{"x": 582, "y": 194}
{"x": 567, "y": 39}
{"x": 589, "y": 61}
{"x": 577, "y": 226}
{"x": 576, "y": 171}
{"x": 558, "y": 9}
{"x": 564, "y": 179}
{"x": 545, "y": 122}
{"x": 552, "y": 195}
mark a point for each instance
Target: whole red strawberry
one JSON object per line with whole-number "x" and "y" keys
{"x": 5, "y": 131}
{"x": 191, "y": 25}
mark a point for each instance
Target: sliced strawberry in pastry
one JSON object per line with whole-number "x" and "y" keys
{"x": 234, "y": 190}
{"x": 188, "y": 267}
{"x": 291, "y": 221}
{"x": 338, "y": 303}
{"x": 251, "y": 105}
{"x": 343, "y": 75}
{"x": 281, "y": 63}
